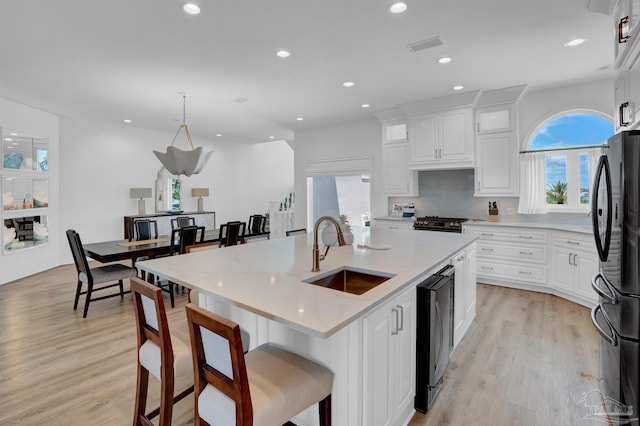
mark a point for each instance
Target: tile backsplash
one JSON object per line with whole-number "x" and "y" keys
{"x": 449, "y": 193}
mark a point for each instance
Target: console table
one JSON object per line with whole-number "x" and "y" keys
{"x": 206, "y": 219}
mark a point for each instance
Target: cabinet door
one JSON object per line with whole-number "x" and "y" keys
{"x": 455, "y": 136}
{"x": 587, "y": 265}
{"x": 471, "y": 284}
{"x": 404, "y": 346}
{"x": 621, "y": 98}
{"x": 459, "y": 296}
{"x": 496, "y": 165}
{"x": 395, "y": 132}
{"x": 495, "y": 119}
{"x": 424, "y": 137}
{"x": 622, "y": 30}
{"x": 633, "y": 90}
{"x": 377, "y": 365}
{"x": 399, "y": 180}
{"x": 563, "y": 268}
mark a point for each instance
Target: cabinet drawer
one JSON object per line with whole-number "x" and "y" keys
{"x": 515, "y": 272}
{"x": 584, "y": 242}
{"x": 487, "y": 249}
{"x": 501, "y": 234}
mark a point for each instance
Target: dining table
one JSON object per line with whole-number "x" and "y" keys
{"x": 119, "y": 250}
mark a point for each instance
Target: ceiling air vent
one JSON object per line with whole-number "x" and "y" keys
{"x": 425, "y": 44}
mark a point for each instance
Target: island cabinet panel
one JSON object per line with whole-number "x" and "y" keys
{"x": 389, "y": 361}
{"x": 464, "y": 298}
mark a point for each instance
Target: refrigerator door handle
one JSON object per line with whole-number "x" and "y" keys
{"x": 611, "y": 294}
{"x": 596, "y": 213}
{"x": 612, "y": 338}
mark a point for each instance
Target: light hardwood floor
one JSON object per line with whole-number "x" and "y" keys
{"x": 527, "y": 359}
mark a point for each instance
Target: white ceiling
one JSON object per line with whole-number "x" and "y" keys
{"x": 112, "y": 60}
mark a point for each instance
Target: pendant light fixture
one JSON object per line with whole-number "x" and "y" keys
{"x": 178, "y": 161}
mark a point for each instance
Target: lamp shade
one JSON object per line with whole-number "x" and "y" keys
{"x": 199, "y": 192}
{"x": 140, "y": 193}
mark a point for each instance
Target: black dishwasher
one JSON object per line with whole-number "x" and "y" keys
{"x": 434, "y": 334}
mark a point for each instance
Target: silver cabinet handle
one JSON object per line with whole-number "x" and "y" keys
{"x": 528, "y": 253}
{"x": 394, "y": 310}
{"x": 575, "y": 243}
{"x": 526, "y": 237}
{"x": 435, "y": 153}
{"x": 401, "y": 315}
{"x": 575, "y": 259}
{"x": 488, "y": 268}
{"x": 570, "y": 254}
{"x": 486, "y": 234}
{"x": 461, "y": 258}
{"x": 486, "y": 249}
{"x": 525, "y": 272}
{"x": 440, "y": 153}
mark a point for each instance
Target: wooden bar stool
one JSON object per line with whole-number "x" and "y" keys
{"x": 163, "y": 354}
{"x": 267, "y": 386}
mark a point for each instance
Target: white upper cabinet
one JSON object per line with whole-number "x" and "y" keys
{"x": 495, "y": 119}
{"x": 398, "y": 179}
{"x": 627, "y": 92}
{"x": 441, "y": 140}
{"x": 496, "y": 172}
{"x": 394, "y": 131}
{"x": 626, "y": 17}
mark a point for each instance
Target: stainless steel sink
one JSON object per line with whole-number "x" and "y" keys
{"x": 350, "y": 280}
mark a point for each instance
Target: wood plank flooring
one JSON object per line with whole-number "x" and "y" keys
{"x": 527, "y": 359}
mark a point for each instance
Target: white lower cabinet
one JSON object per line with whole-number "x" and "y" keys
{"x": 389, "y": 361}
{"x": 574, "y": 262}
{"x": 464, "y": 298}
{"x": 523, "y": 257}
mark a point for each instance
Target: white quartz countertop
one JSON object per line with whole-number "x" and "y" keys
{"x": 581, "y": 228}
{"x": 267, "y": 277}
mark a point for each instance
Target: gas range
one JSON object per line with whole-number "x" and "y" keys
{"x": 435, "y": 223}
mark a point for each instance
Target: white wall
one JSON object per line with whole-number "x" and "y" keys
{"x": 358, "y": 138}
{"x": 35, "y": 123}
{"x": 94, "y": 165}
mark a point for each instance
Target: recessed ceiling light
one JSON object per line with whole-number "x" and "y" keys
{"x": 365, "y": 105}
{"x": 218, "y": 134}
{"x": 444, "y": 60}
{"x": 191, "y": 8}
{"x": 458, "y": 87}
{"x": 397, "y": 7}
{"x": 283, "y": 53}
{"x": 8, "y": 139}
{"x": 575, "y": 42}
{"x": 13, "y": 134}
{"x": 127, "y": 121}
{"x": 348, "y": 84}
{"x": 299, "y": 119}
{"x": 272, "y": 137}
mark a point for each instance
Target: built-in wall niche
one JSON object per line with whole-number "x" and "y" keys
{"x": 24, "y": 232}
{"x": 24, "y": 153}
{"x": 20, "y": 193}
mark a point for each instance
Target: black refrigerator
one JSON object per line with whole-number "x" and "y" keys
{"x": 615, "y": 213}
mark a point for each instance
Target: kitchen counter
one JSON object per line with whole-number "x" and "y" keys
{"x": 266, "y": 278}
{"x": 581, "y": 228}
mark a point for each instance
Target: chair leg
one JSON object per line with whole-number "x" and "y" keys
{"x": 78, "y": 290}
{"x": 141, "y": 396}
{"x": 324, "y": 407}
{"x": 166, "y": 401}
{"x": 121, "y": 289}
{"x": 171, "y": 295}
{"x": 88, "y": 298}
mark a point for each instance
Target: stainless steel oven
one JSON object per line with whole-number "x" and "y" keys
{"x": 435, "y": 223}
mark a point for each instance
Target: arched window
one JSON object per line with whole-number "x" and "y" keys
{"x": 560, "y": 163}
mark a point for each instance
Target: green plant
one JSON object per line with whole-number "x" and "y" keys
{"x": 557, "y": 193}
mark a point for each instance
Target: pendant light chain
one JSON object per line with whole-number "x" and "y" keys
{"x": 184, "y": 122}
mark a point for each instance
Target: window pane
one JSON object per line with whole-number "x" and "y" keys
{"x": 584, "y": 178}
{"x": 556, "y": 179}
{"x": 576, "y": 129}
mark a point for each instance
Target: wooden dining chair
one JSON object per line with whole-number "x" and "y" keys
{"x": 145, "y": 229}
{"x": 93, "y": 276}
{"x": 231, "y": 233}
{"x": 162, "y": 352}
{"x": 296, "y": 231}
{"x": 267, "y": 386}
{"x": 181, "y": 221}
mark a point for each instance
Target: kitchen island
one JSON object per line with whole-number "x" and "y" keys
{"x": 370, "y": 349}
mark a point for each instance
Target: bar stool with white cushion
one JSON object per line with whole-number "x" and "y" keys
{"x": 267, "y": 386}
{"x": 163, "y": 353}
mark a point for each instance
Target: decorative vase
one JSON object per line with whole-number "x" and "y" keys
{"x": 346, "y": 230}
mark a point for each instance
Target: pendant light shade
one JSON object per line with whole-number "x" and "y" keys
{"x": 181, "y": 162}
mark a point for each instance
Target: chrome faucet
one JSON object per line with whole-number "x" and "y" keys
{"x": 317, "y": 257}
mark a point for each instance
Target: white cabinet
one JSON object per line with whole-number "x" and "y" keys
{"x": 393, "y": 223}
{"x": 496, "y": 172}
{"x": 389, "y": 360}
{"x": 495, "y": 119}
{"x": 626, "y": 17}
{"x": 511, "y": 256}
{"x": 398, "y": 179}
{"x": 627, "y": 83}
{"x": 574, "y": 262}
{"x": 442, "y": 140}
{"x": 464, "y": 299}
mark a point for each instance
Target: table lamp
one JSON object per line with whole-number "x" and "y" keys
{"x": 141, "y": 194}
{"x": 200, "y": 192}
